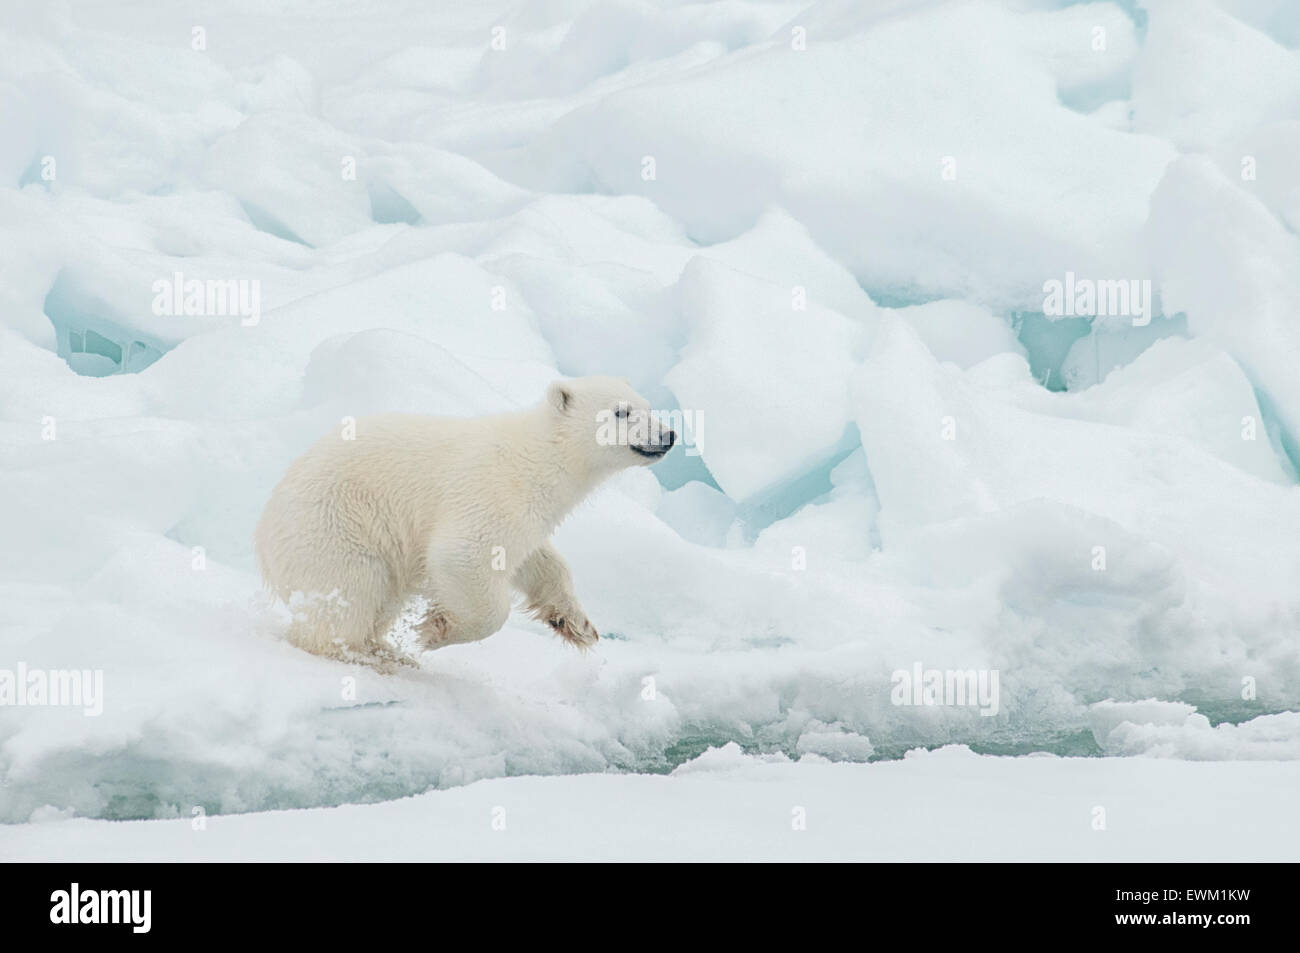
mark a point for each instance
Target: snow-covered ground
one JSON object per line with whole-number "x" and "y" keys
{"x": 945, "y": 805}
{"x": 826, "y": 234}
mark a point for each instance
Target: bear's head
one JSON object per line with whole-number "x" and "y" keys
{"x": 611, "y": 423}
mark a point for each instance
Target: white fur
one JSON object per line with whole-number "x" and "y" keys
{"x": 457, "y": 510}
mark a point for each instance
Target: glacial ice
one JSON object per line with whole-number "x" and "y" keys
{"x": 885, "y": 474}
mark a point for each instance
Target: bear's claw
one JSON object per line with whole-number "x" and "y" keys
{"x": 579, "y": 632}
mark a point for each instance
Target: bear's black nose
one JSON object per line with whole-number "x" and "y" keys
{"x": 666, "y": 439}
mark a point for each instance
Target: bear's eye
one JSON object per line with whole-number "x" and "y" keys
{"x": 621, "y": 412}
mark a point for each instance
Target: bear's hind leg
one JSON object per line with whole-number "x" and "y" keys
{"x": 433, "y": 629}
{"x": 451, "y": 620}
{"x": 468, "y": 600}
{"x": 340, "y": 617}
{"x": 383, "y": 654}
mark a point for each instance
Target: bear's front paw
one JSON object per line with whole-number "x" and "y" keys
{"x": 574, "y": 629}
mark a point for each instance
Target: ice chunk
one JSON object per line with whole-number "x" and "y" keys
{"x": 921, "y": 196}
{"x": 439, "y": 186}
{"x": 1191, "y": 389}
{"x": 961, "y": 332}
{"x": 941, "y": 446}
{"x": 1266, "y": 738}
{"x": 834, "y": 743}
{"x": 447, "y": 299}
{"x": 382, "y": 371}
{"x": 1105, "y": 716}
{"x": 1112, "y": 344}
{"x": 1256, "y": 78}
{"x": 699, "y": 513}
{"x": 1238, "y": 280}
{"x": 290, "y": 171}
{"x": 745, "y": 335}
{"x": 779, "y": 250}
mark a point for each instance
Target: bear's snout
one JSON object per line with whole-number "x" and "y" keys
{"x": 661, "y": 441}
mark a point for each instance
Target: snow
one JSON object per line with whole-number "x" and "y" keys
{"x": 821, "y": 231}
{"x": 1255, "y": 81}
{"x": 945, "y": 805}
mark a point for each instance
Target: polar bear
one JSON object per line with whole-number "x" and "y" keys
{"x": 457, "y": 510}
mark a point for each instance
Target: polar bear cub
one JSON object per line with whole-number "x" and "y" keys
{"x": 457, "y": 510}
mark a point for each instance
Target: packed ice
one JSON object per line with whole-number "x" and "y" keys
{"x": 820, "y": 233}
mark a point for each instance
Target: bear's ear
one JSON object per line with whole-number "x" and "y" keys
{"x": 560, "y": 396}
